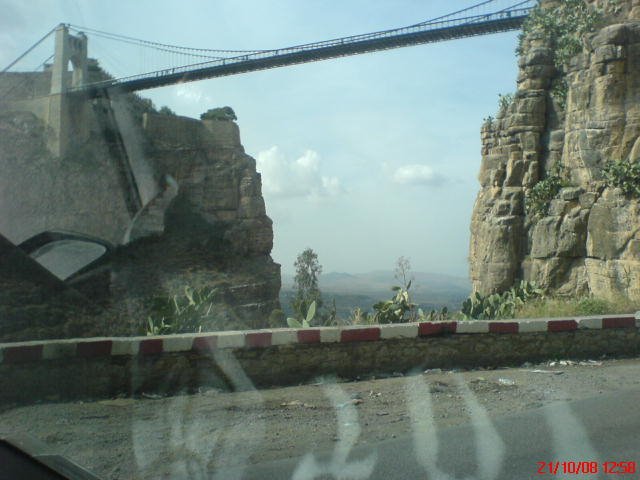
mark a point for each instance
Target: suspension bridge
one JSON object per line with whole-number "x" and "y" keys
{"x": 59, "y": 96}
{"x": 486, "y": 17}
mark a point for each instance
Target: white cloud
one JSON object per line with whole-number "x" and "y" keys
{"x": 191, "y": 93}
{"x": 416, "y": 174}
{"x": 301, "y": 177}
{"x": 331, "y": 186}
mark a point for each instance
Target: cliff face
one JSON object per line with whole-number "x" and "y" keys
{"x": 589, "y": 240}
{"x": 178, "y": 198}
{"x": 207, "y": 227}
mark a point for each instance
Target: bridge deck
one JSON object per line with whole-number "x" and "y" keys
{"x": 505, "y": 21}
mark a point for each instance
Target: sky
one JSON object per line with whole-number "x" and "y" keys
{"x": 363, "y": 159}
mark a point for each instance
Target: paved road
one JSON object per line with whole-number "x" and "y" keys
{"x": 605, "y": 428}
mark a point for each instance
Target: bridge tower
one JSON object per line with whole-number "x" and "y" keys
{"x": 68, "y": 49}
{"x": 65, "y": 113}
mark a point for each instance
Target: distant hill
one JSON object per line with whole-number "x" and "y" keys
{"x": 351, "y": 290}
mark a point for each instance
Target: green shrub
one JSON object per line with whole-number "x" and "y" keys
{"x": 559, "y": 91}
{"x": 220, "y": 113}
{"x": 361, "y": 317}
{"x": 394, "y": 310}
{"x": 138, "y": 106}
{"x": 433, "y": 316}
{"x": 329, "y": 317}
{"x": 180, "y": 313}
{"x": 504, "y": 102}
{"x": 385, "y": 313}
{"x": 500, "y": 305}
{"x": 624, "y": 175}
{"x": 166, "y": 111}
{"x": 593, "y": 306}
{"x": 568, "y": 307}
{"x": 400, "y": 308}
{"x": 538, "y": 199}
{"x": 303, "y": 322}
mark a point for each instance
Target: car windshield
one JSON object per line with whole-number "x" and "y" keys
{"x": 308, "y": 240}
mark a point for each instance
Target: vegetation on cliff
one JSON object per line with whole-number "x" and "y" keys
{"x": 623, "y": 174}
{"x": 538, "y": 199}
{"x": 565, "y": 27}
{"x": 504, "y": 102}
{"x": 220, "y": 113}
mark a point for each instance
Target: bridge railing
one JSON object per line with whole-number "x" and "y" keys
{"x": 516, "y": 13}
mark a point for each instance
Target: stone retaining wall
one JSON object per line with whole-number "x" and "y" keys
{"x": 102, "y": 367}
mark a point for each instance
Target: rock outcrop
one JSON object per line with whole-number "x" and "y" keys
{"x": 589, "y": 240}
{"x": 178, "y": 198}
{"x": 207, "y": 227}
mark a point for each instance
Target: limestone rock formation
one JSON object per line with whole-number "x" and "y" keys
{"x": 589, "y": 240}
{"x": 211, "y": 229}
{"x": 178, "y": 198}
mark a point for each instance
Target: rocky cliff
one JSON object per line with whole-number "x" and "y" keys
{"x": 207, "y": 227}
{"x": 178, "y": 198}
{"x": 587, "y": 240}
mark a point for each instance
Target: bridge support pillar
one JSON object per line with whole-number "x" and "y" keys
{"x": 66, "y": 115}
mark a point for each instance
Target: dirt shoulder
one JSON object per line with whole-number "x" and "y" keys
{"x": 150, "y": 437}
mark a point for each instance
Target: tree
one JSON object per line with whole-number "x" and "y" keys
{"x": 166, "y": 111}
{"x": 221, "y": 113}
{"x": 402, "y": 299}
{"x": 308, "y": 269}
{"x": 403, "y": 272}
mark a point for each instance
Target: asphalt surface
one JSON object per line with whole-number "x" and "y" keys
{"x": 479, "y": 423}
{"x": 535, "y": 444}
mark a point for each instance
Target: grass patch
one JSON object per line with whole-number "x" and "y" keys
{"x": 575, "y": 307}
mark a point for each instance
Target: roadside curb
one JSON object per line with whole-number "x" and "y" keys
{"x": 39, "y": 350}
{"x": 90, "y": 368}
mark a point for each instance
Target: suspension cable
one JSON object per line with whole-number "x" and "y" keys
{"x": 206, "y": 53}
{"x": 157, "y": 44}
{"x": 512, "y": 7}
{"x": 162, "y": 49}
{"x": 504, "y": 10}
{"x": 13, "y": 87}
{"x": 180, "y": 49}
{"x": 433, "y": 20}
{"x": 29, "y": 50}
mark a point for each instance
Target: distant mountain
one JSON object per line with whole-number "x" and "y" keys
{"x": 351, "y": 290}
{"x": 381, "y": 280}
